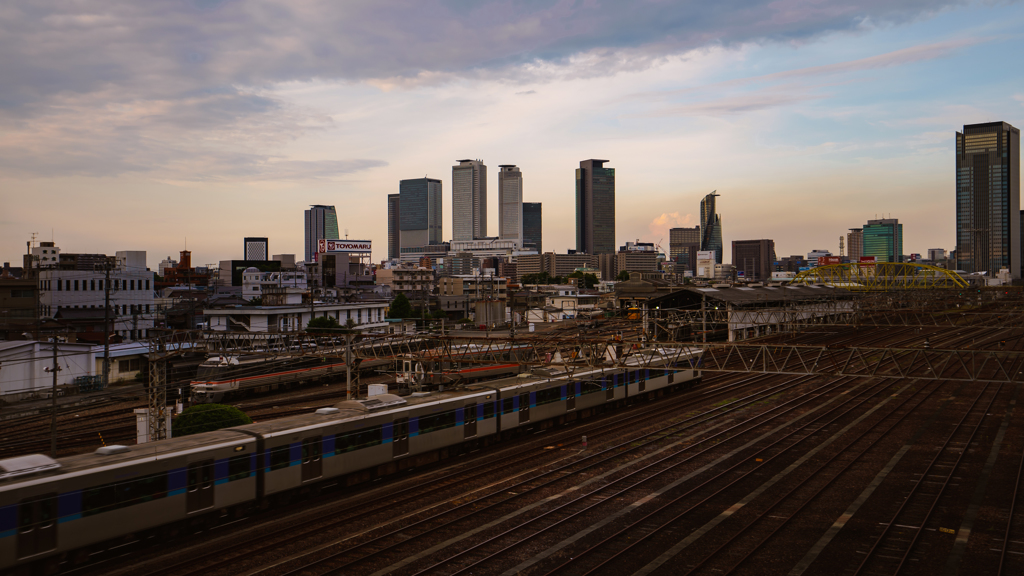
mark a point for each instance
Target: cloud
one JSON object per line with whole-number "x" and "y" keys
{"x": 93, "y": 89}
{"x": 660, "y": 226}
{"x": 526, "y": 93}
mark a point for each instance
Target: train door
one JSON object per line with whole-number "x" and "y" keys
{"x": 609, "y": 387}
{"x": 400, "y": 430}
{"x": 570, "y": 396}
{"x": 641, "y": 380}
{"x": 199, "y": 494}
{"x": 312, "y": 458}
{"x": 524, "y": 407}
{"x": 37, "y": 525}
{"x": 469, "y": 421}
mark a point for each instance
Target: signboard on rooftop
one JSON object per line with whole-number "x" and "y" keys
{"x": 829, "y": 260}
{"x": 706, "y": 255}
{"x": 343, "y": 245}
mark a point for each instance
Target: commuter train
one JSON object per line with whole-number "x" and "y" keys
{"x": 224, "y": 376}
{"x": 63, "y": 510}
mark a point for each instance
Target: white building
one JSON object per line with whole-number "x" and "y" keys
{"x": 367, "y": 315}
{"x": 131, "y": 296}
{"x": 254, "y": 281}
{"x": 510, "y": 203}
{"x": 164, "y": 265}
{"x": 25, "y": 367}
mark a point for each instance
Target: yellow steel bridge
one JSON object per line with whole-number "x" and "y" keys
{"x": 881, "y": 276}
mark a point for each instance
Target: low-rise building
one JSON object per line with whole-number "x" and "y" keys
{"x": 413, "y": 281}
{"x": 255, "y": 283}
{"x": 368, "y": 315}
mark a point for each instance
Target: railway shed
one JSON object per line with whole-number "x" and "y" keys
{"x": 743, "y": 312}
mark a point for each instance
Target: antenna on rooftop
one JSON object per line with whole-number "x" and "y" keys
{"x": 346, "y": 233}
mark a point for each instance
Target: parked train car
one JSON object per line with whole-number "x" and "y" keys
{"x": 52, "y": 510}
{"x": 223, "y": 377}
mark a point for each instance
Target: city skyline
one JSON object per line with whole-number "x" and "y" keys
{"x": 823, "y": 118}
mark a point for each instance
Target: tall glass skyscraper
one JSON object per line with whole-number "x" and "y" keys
{"x": 394, "y": 232}
{"x": 510, "y": 202}
{"x": 420, "y": 212}
{"x": 321, "y": 223}
{"x": 988, "y": 222}
{"x": 469, "y": 200}
{"x": 595, "y": 208}
{"x": 883, "y": 239}
{"x": 532, "y": 220}
{"x": 711, "y": 227}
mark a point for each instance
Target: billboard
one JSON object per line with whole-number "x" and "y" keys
{"x": 705, "y": 255}
{"x": 829, "y": 260}
{"x": 343, "y": 245}
{"x": 867, "y": 259}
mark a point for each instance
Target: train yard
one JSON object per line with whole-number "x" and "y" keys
{"x": 910, "y": 468}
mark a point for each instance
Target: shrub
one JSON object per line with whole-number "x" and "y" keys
{"x": 207, "y": 418}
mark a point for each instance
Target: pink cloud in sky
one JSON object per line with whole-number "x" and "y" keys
{"x": 659, "y": 227}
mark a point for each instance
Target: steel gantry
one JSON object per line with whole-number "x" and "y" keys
{"x": 881, "y": 277}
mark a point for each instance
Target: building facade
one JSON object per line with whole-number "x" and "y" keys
{"x": 855, "y": 244}
{"x": 321, "y": 223}
{"x": 419, "y": 212}
{"x": 988, "y": 216}
{"x": 532, "y": 226}
{"x": 469, "y": 200}
{"x": 394, "y": 226}
{"x": 711, "y": 226}
{"x": 595, "y": 208}
{"x": 510, "y": 202}
{"x": 755, "y": 259}
{"x": 554, "y": 264}
{"x": 683, "y": 245}
{"x": 256, "y": 249}
{"x": 883, "y": 239}
{"x": 64, "y": 293}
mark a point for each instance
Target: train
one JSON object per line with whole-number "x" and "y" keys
{"x": 52, "y": 511}
{"x": 228, "y": 376}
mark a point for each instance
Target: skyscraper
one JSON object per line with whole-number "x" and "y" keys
{"x": 321, "y": 222}
{"x": 711, "y": 227}
{"x": 469, "y": 200}
{"x": 420, "y": 212}
{"x": 257, "y": 249}
{"x": 855, "y": 244}
{"x": 595, "y": 208}
{"x": 532, "y": 229}
{"x": 883, "y": 239}
{"x": 988, "y": 222}
{"x": 683, "y": 244}
{"x": 510, "y": 202}
{"x": 394, "y": 232}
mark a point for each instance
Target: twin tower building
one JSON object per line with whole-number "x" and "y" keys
{"x": 414, "y": 214}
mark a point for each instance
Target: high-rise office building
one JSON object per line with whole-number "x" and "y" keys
{"x": 883, "y": 239}
{"x": 532, "y": 230}
{"x": 683, "y": 244}
{"x": 321, "y": 223}
{"x": 510, "y": 202}
{"x": 420, "y": 212}
{"x": 595, "y": 208}
{"x": 257, "y": 249}
{"x": 754, "y": 258}
{"x": 711, "y": 227}
{"x": 394, "y": 232}
{"x": 469, "y": 200}
{"x": 988, "y": 221}
{"x": 855, "y": 244}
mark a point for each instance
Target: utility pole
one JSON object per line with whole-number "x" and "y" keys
{"x": 53, "y": 401}
{"x": 348, "y": 365}
{"x": 106, "y": 325}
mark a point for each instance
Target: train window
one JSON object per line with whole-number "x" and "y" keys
{"x": 590, "y": 387}
{"x": 358, "y": 439}
{"x": 280, "y": 457}
{"x": 548, "y": 396}
{"x": 506, "y": 406}
{"x": 238, "y": 467}
{"x": 436, "y": 422}
{"x": 99, "y": 499}
{"x": 488, "y": 410}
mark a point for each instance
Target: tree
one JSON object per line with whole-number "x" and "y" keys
{"x": 623, "y": 276}
{"x": 207, "y": 418}
{"x": 323, "y": 324}
{"x": 438, "y": 314}
{"x": 400, "y": 307}
{"x": 257, "y": 301}
{"x": 588, "y": 280}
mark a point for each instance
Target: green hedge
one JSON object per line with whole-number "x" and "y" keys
{"x": 206, "y": 418}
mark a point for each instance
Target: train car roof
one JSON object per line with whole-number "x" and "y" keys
{"x": 126, "y": 455}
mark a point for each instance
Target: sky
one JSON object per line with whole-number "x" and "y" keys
{"x": 162, "y": 125}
